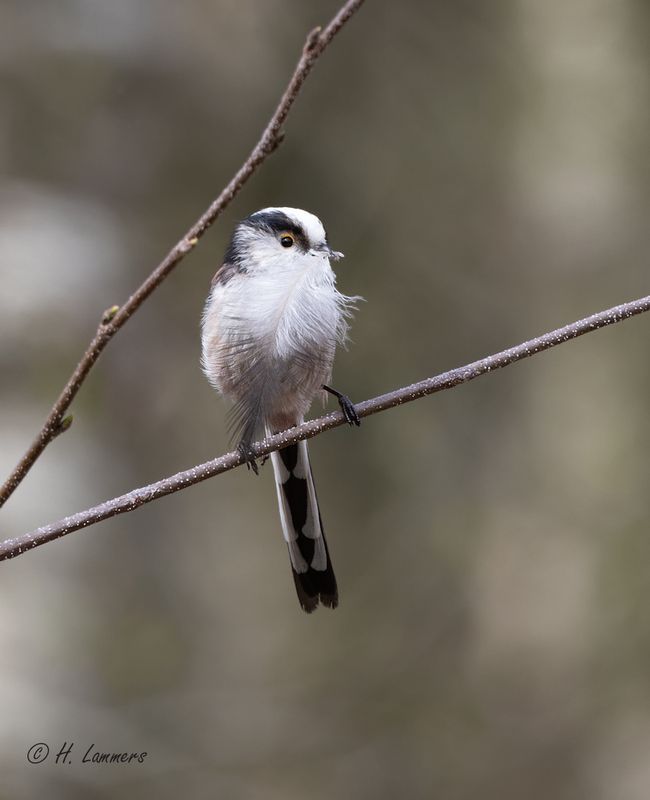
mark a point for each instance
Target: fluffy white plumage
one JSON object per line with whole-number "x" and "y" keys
{"x": 272, "y": 327}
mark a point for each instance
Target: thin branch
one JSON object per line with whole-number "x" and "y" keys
{"x": 447, "y": 380}
{"x": 114, "y": 318}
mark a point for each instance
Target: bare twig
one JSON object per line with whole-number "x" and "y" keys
{"x": 114, "y": 318}
{"x": 447, "y": 380}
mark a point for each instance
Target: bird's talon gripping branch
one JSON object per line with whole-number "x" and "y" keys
{"x": 248, "y": 458}
{"x": 347, "y": 406}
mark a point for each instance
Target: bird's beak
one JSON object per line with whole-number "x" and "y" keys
{"x": 326, "y": 250}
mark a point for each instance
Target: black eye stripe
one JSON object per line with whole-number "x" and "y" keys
{"x": 277, "y": 223}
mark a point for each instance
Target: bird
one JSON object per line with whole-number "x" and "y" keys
{"x": 271, "y": 324}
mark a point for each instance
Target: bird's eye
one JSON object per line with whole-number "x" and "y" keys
{"x": 286, "y": 240}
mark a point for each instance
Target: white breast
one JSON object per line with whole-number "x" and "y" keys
{"x": 275, "y": 312}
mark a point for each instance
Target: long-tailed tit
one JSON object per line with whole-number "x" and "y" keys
{"x": 271, "y": 324}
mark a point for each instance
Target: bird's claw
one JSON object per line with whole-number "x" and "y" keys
{"x": 347, "y": 406}
{"x": 349, "y": 411}
{"x": 248, "y": 458}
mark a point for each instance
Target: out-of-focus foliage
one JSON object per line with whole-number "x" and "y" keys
{"x": 484, "y": 166}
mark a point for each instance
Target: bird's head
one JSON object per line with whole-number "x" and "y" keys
{"x": 280, "y": 238}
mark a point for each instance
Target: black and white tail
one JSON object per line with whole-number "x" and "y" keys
{"x": 303, "y": 529}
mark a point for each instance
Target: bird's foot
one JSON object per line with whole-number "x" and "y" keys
{"x": 347, "y": 406}
{"x": 248, "y": 458}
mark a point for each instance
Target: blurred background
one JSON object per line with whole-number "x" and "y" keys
{"x": 484, "y": 166}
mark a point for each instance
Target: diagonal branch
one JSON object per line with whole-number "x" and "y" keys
{"x": 115, "y": 317}
{"x": 447, "y": 380}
